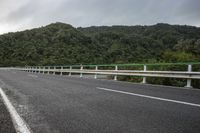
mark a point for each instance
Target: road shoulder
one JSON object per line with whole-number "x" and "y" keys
{"x": 6, "y": 124}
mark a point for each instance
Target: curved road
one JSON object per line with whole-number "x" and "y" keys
{"x": 62, "y": 104}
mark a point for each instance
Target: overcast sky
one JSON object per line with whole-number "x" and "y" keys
{"x": 17, "y": 15}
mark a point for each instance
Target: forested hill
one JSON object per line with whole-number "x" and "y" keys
{"x": 62, "y": 44}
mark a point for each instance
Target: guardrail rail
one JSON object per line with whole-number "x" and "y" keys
{"x": 115, "y": 71}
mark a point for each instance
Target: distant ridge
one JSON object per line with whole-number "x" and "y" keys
{"x": 59, "y": 43}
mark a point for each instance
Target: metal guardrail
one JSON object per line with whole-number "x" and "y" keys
{"x": 83, "y": 69}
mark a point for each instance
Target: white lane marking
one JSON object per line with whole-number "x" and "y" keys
{"x": 19, "y": 123}
{"x": 150, "y": 97}
{"x": 31, "y": 75}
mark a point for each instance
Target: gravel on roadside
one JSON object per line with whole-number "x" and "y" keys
{"x": 6, "y": 124}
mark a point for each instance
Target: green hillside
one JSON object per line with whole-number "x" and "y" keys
{"x": 157, "y": 43}
{"x": 62, "y": 44}
{"x": 53, "y": 44}
{"x": 59, "y": 44}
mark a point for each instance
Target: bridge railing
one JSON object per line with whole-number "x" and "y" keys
{"x": 116, "y": 70}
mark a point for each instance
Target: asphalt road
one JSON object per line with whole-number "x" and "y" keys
{"x": 62, "y": 104}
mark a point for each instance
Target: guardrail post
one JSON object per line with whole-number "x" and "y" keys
{"x": 189, "y": 80}
{"x": 116, "y": 68}
{"x": 70, "y": 68}
{"x": 39, "y": 69}
{"x": 144, "y": 78}
{"x": 43, "y": 70}
{"x": 48, "y": 70}
{"x": 81, "y": 74}
{"x": 54, "y": 73}
{"x": 61, "y": 68}
{"x": 95, "y": 76}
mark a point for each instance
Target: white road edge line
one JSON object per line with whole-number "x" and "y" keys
{"x": 19, "y": 123}
{"x": 150, "y": 97}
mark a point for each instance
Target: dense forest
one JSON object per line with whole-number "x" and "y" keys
{"x": 62, "y": 44}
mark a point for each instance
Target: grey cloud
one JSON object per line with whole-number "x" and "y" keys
{"x": 190, "y": 7}
{"x": 34, "y": 13}
{"x": 189, "y": 12}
